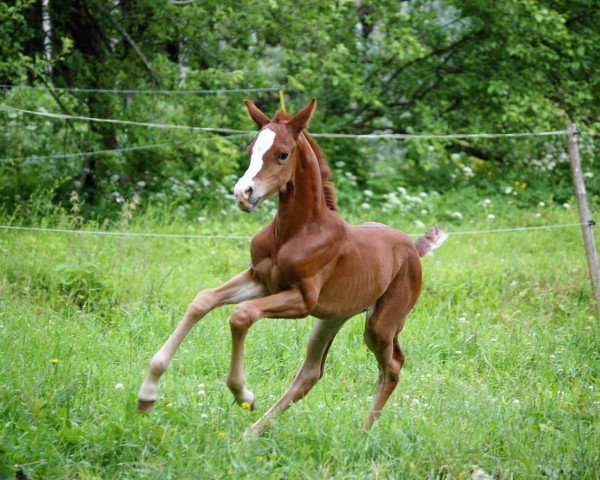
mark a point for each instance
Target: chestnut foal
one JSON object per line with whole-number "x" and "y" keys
{"x": 307, "y": 261}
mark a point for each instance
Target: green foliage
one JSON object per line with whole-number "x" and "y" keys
{"x": 80, "y": 282}
{"x": 413, "y": 67}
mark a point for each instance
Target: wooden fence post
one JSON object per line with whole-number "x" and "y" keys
{"x": 584, "y": 214}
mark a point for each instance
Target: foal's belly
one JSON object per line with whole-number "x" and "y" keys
{"x": 374, "y": 256}
{"x": 352, "y": 288}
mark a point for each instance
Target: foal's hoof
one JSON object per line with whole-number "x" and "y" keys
{"x": 144, "y": 406}
{"x": 246, "y": 400}
{"x": 249, "y": 406}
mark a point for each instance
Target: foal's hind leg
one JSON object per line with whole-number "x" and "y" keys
{"x": 310, "y": 372}
{"x": 390, "y": 359}
{"x": 381, "y": 330}
{"x": 241, "y": 287}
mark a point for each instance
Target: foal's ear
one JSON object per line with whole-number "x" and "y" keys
{"x": 300, "y": 121}
{"x": 259, "y": 117}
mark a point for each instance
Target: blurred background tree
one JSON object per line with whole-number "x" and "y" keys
{"x": 386, "y": 66}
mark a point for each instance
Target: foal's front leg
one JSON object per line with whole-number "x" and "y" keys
{"x": 287, "y": 304}
{"x": 243, "y": 286}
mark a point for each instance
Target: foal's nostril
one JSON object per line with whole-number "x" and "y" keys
{"x": 248, "y": 192}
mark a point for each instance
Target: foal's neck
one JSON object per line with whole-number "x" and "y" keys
{"x": 303, "y": 200}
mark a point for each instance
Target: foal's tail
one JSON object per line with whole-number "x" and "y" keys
{"x": 433, "y": 239}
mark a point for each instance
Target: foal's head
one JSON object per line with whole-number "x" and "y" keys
{"x": 272, "y": 159}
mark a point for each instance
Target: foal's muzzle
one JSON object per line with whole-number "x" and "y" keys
{"x": 247, "y": 200}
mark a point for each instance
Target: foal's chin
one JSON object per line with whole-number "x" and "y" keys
{"x": 246, "y": 207}
{"x": 249, "y": 204}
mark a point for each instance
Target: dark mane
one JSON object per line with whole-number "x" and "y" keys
{"x": 328, "y": 188}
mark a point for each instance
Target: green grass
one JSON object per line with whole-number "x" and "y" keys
{"x": 502, "y": 363}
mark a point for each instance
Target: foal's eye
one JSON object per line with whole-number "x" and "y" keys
{"x": 283, "y": 156}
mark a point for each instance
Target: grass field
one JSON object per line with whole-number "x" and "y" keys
{"x": 502, "y": 363}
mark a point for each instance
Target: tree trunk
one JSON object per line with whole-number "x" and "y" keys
{"x": 92, "y": 41}
{"x": 47, "y": 29}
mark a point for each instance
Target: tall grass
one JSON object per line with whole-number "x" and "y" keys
{"x": 502, "y": 362}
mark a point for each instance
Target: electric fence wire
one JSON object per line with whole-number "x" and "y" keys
{"x": 87, "y": 154}
{"x": 143, "y": 92}
{"x": 370, "y": 136}
{"x": 247, "y": 237}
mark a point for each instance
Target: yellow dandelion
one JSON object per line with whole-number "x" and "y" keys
{"x": 516, "y": 183}
{"x": 260, "y": 458}
{"x": 246, "y": 406}
{"x": 523, "y": 185}
{"x": 54, "y": 360}
{"x": 222, "y": 435}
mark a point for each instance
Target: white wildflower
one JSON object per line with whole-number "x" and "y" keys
{"x": 119, "y": 386}
{"x": 478, "y": 473}
{"x": 542, "y": 204}
{"x": 368, "y": 193}
{"x": 491, "y": 216}
{"x": 419, "y": 224}
{"x": 392, "y": 198}
{"x": 566, "y": 205}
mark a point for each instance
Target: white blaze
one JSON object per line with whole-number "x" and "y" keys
{"x": 263, "y": 142}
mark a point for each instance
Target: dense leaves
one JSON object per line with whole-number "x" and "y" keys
{"x": 419, "y": 66}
